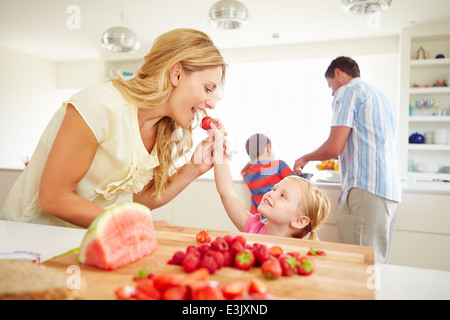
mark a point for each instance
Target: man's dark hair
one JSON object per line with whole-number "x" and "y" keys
{"x": 256, "y": 145}
{"x": 345, "y": 64}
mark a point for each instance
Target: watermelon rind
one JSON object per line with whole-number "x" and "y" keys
{"x": 95, "y": 228}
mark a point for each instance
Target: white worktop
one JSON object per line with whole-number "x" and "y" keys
{"x": 392, "y": 282}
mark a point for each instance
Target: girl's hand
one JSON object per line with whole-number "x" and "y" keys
{"x": 220, "y": 143}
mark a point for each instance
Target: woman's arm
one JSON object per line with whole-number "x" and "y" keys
{"x": 69, "y": 159}
{"x": 224, "y": 182}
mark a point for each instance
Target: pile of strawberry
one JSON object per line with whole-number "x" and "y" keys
{"x": 193, "y": 286}
{"x": 228, "y": 251}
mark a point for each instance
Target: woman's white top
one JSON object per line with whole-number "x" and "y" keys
{"x": 122, "y": 164}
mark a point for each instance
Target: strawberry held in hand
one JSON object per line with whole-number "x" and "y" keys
{"x": 206, "y": 123}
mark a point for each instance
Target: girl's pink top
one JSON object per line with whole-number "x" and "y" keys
{"x": 255, "y": 225}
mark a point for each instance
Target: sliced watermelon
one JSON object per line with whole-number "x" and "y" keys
{"x": 119, "y": 236}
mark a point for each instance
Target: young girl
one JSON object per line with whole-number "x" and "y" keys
{"x": 293, "y": 208}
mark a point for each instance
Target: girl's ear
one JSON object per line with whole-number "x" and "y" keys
{"x": 175, "y": 74}
{"x": 300, "y": 222}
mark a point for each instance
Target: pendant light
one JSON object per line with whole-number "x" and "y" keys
{"x": 119, "y": 38}
{"x": 365, "y": 6}
{"x": 228, "y": 15}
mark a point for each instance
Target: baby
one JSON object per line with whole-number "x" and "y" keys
{"x": 293, "y": 208}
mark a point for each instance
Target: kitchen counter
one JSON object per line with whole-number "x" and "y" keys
{"x": 388, "y": 281}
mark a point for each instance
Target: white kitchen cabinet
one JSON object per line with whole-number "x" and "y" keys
{"x": 424, "y": 106}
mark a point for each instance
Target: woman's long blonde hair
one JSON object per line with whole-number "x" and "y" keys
{"x": 315, "y": 205}
{"x": 151, "y": 86}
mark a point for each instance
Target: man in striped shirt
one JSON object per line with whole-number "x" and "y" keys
{"x": 364, "y": 135}
{"x": 262, "y": 172}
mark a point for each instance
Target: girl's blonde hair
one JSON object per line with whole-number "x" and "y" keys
{"x": 315, "y": 205}
{"x": 151, "y": 86}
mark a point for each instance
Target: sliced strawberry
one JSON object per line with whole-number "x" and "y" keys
{"x": 179, "y": 292}
{"x": 204, "y": 237}
{"x": 233, "y": 290}
{"x": 257, "y": 286}
{"x": 125, "y": 293}
{"x": 276, "y": 251}
{"x": 145, "y": 290}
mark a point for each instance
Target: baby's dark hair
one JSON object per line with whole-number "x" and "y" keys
{"x": 256, "y": 145}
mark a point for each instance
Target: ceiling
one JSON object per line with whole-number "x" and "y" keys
{"x": 39, "y": 27}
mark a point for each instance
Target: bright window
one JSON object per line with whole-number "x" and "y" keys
{"x": 289, "y": 101}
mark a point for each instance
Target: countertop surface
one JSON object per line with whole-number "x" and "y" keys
{"x": 388, "y": 281}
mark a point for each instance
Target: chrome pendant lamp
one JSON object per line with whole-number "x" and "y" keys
{"x": 228, "y": 15}
{"x": 120, "y": 39}
{"x": 365, "y": 6}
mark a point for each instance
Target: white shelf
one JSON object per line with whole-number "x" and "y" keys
{"x": 430, "y": 90}
{"x": 430, "y": 63}
{"x": 423, "y": 177}
{"x": 428, "y": 147}
{"x": 429, "y": 118}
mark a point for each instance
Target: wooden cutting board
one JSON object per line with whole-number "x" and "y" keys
{"x": 346, "y": 272}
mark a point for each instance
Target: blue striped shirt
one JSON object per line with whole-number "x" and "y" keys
{"x": 369, "y": 160}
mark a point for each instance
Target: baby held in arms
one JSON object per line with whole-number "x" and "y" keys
{"x": 293, "y": 208}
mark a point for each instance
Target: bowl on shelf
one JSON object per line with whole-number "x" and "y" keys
{"x": 425, "y": 167}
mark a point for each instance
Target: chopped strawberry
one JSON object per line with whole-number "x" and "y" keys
{"x": 276, "y": 251}
{"x": 204, "y": 237}
{"x": 233, "y": 290}
{"x": 207, "y": 291}
{"x": 257, "y": 286}
{"x": 316, "y": 252}
{"x": 125, "y": 293}
{"x": 164, "y": 281}
{"x": 145, "y": 290}
{"x": 180, "y": 292}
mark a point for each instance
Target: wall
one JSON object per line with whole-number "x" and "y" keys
{"x": 27, "y": 85}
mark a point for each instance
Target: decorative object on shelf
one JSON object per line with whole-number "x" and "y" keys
{"x": 416, "y": 138}
{"x": 440, "y": 136}
{"x": 440, "y": 56}
{"x": 365, "y": 6}
{"x": 422, "y": 54}
{"x": 440, "y": 83}
{"x": 228, "y": 15}
{"x": 119, "y": 38}
{"x": 427, "y": 167}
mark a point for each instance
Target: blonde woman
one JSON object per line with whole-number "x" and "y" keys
{"x": 293, "y": 208}
{"x": 123, "y": 137}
